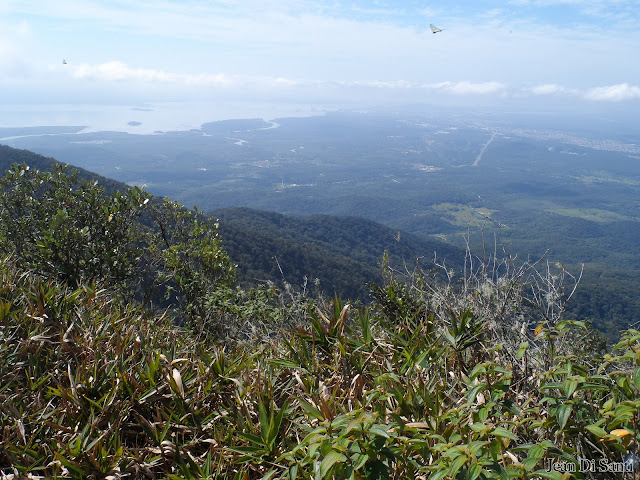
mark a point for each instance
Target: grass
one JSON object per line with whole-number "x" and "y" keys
{"x": 464, "y": 215}
{"x": 591, "y": 214}
{"x": 426, "y": 383}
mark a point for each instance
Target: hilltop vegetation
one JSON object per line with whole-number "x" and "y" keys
{"x": 128, "y": 352}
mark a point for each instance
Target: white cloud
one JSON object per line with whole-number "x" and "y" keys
{"x": 552, "y": 89}
{"x": 548, "y": 89}
{"x": 615, "y": 93}
{"x": 116, "y": 71}
{"x": 388, "y": 84}
{"x": 469, "y": 88}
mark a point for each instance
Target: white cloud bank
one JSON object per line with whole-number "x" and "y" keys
{"x": 614, "y": 93}
{"x": 469, "y": 88}
{"x": 124, "y": 75}
{"x": 120, "y": 72}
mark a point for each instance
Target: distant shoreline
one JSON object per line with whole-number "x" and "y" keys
{"x": 142, "y": 119}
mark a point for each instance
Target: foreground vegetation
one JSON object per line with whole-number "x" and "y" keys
{"x": 164, "y": 369}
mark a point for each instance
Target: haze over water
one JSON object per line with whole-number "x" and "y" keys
{"x": 147, "y": 119}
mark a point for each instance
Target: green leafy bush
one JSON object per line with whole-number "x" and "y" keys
{"x": 59, "y": 225}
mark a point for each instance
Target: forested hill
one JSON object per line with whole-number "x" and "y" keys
{"x": 9, "y": 156}
{"x": 343, "y": 253}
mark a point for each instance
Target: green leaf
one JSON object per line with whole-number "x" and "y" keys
{"x": 439, "y": 475}
{"x": 546, "y": 444}
{"x": 474, "y": 471}
{"x": 359, "y": 460}
{"x": 549, "y": 475}
{"x": 483, "y": 413}
{"x": 569, "y": 386}
{"x": 379, "y": 431}
{"x": 252, "y": 438}
{"x": 522, "y": 350}
{"x": 503, "y": 432}
{"x": 479, "y": 427}
{"x": 275, "y": 426}
{"x": 269, "y": 474}
{"x": 597, "y": 431}
{"x": 310, "y": 409}
{"x": 536, "y": 452}
{"x": 475, "y": 446}
{"x": 529, "y": 463}
{"x": 563, "y": 413}
{"x": 329, "y": 460}
{"x": 457, "y": 464}
{"x": 377, "y": 470}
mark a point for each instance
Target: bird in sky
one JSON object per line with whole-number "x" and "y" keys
{"x": 64, "y": 61}
{"x": 435, "y": 29}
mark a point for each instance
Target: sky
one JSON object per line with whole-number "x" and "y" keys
{"x": 524, "y": 53}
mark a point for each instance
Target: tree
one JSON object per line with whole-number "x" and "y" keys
{"x": 185, "y": 255}
{"x": 58, "y": 225}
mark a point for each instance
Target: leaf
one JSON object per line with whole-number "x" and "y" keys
{"x": 608, "y": 405}
{"x": 417, "y": 425}
{"x": 563, "y": 412}
{"x": 597, "y": 431}
{"x": 177, "y": 378}
{"x": 359, "y": 460}
{"x": 439, "y": 475}
{"x": 522, "y": 350}
{"x": 479, "y": 427}
{"x": 547, "y": 474}
{"x": 252, "y": 438}
{"x": 620, "y": 432}
{"x": 310, "y": 409}
{"x": 329, "y": 460}
{"x": 275, "y": 426}
{"x": 457, "y": 464}
{"x": 264, "y": 421}
{"x": 475, "y": 446}
{"x": 474, "y": 471}
{"x": 536, "y": 452}
{"x": 379, "y": 431}
{"x": 569, "y": 386}
{"x": 503, "y": 432}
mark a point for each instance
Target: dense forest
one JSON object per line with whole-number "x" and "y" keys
{"x": 130, "y": 351}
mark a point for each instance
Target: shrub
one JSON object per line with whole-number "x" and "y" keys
{"x": 60, "y": 226}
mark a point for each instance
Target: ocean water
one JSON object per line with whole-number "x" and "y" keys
{"x": 149, "y": 118}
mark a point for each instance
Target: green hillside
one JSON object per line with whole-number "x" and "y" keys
{"x": 343, "y": 253}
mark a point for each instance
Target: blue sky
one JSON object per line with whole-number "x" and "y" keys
{"x": 559, "y": 52}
